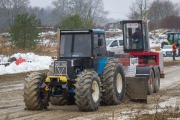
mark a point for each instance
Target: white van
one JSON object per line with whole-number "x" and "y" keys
{"x": 114, "y": 45}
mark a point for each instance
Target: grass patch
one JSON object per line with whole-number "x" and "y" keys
{"x": 171, "y": 63}
{"x": 40, "y": 50}
{"x": 171, "y": 114}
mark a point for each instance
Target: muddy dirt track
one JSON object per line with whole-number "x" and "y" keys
{"x": 12, "y": 105}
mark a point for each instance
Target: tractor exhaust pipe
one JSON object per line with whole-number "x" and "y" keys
{"x": 58, "y": 43}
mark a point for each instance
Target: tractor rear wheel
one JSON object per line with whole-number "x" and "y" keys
{"x": 150, "y": 83}
{"x": 56, "y": 100}
{"x": 157, "y": 81}
{"x": 114, "y": 83}
{"x": 35, "y": 98}
{"x": 87, "y": 91}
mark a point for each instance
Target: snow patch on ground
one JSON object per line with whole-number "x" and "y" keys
{"x": 34, "y": 62}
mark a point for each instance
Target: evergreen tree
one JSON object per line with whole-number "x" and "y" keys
{"x": 75, "y": 22}
{"x": 24, "y": 32}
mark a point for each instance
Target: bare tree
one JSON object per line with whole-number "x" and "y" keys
{"x": 89, "y": 10}
{"x": 139, "y": 9}
{"x": 98, "y": 14}
{"x": 9, "y": 9}
{"x": 160, "y": 9}
{"x": 44, "y": 14}
{"x": 170, "y": 22}
{"x": 61, "y": 8}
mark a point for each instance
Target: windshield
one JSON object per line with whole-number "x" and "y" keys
{"x": 108, "y": 42}
{"x": 173, "y": 36}
{"x": 167, "y": 47}
{"x": 75, "y": 45}
{"x": 133, "y": 36}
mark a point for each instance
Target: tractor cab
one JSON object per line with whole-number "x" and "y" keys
{"x": 172, "y": 36}
{"x": 135, "y": 35}
{"x": 81, "y": 44}
{"x": 79, "y": 50}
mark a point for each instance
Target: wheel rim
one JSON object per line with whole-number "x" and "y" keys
{"x": 95, "y": 89}
{"x": 119, "y": 83}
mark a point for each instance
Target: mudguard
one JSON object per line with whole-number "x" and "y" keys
{"x": 101, "y": 65}
{"x": 143, "y": 71}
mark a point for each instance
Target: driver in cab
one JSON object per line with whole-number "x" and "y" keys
{"x": 136, "y": 39}
{"x": 81, "y": 45}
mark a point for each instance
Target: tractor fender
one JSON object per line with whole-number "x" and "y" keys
{"x": 102, "y": 64}
{"x": 143, "y": 71}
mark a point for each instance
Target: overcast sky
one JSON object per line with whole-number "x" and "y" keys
{"x": 117, "y": 8}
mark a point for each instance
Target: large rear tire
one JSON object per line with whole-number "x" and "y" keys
{"x": 150, "y": 83}
{"x": 157, "y": 81}
{"x": 34, "y": 97}
{"x": 56, "y": 100}
{"x": 114, "y": 83}
{"x": 87, "y": 91}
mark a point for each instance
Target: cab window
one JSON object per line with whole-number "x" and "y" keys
{"x": 170, "y": 37}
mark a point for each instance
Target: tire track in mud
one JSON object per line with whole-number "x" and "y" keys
{"x": 19, "y": 116}
{"x": 172, "y": 78}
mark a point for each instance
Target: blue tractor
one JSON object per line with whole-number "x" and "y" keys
{"x": 84, "y": 74}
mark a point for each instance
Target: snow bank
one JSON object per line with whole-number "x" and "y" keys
{"x": 34, "y": 62}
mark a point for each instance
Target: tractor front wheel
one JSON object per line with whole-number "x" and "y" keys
{"x": 87, "y": 91}
{"x": 35, "y": 97}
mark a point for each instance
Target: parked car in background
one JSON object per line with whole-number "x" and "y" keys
{"x": 114, "y": 45}
{"x": 167, "y": 51}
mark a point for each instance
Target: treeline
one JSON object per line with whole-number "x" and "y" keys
{"x": 53, "y": 15}
{"x": 161, "y": 13}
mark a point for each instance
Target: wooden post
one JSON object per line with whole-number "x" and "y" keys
{"x": 58, "y": 43}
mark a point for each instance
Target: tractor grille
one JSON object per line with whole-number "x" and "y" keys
{"x": 60, "y": 68}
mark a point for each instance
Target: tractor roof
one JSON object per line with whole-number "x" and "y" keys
{"x": 173, "y": 32}
{"x": 132, "y": 21}
{"x": 83, "y": 31}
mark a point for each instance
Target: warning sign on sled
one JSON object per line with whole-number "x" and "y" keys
{"x": 132, "y": 25}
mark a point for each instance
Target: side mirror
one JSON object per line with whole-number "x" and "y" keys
{"x": 100, "y": 42}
